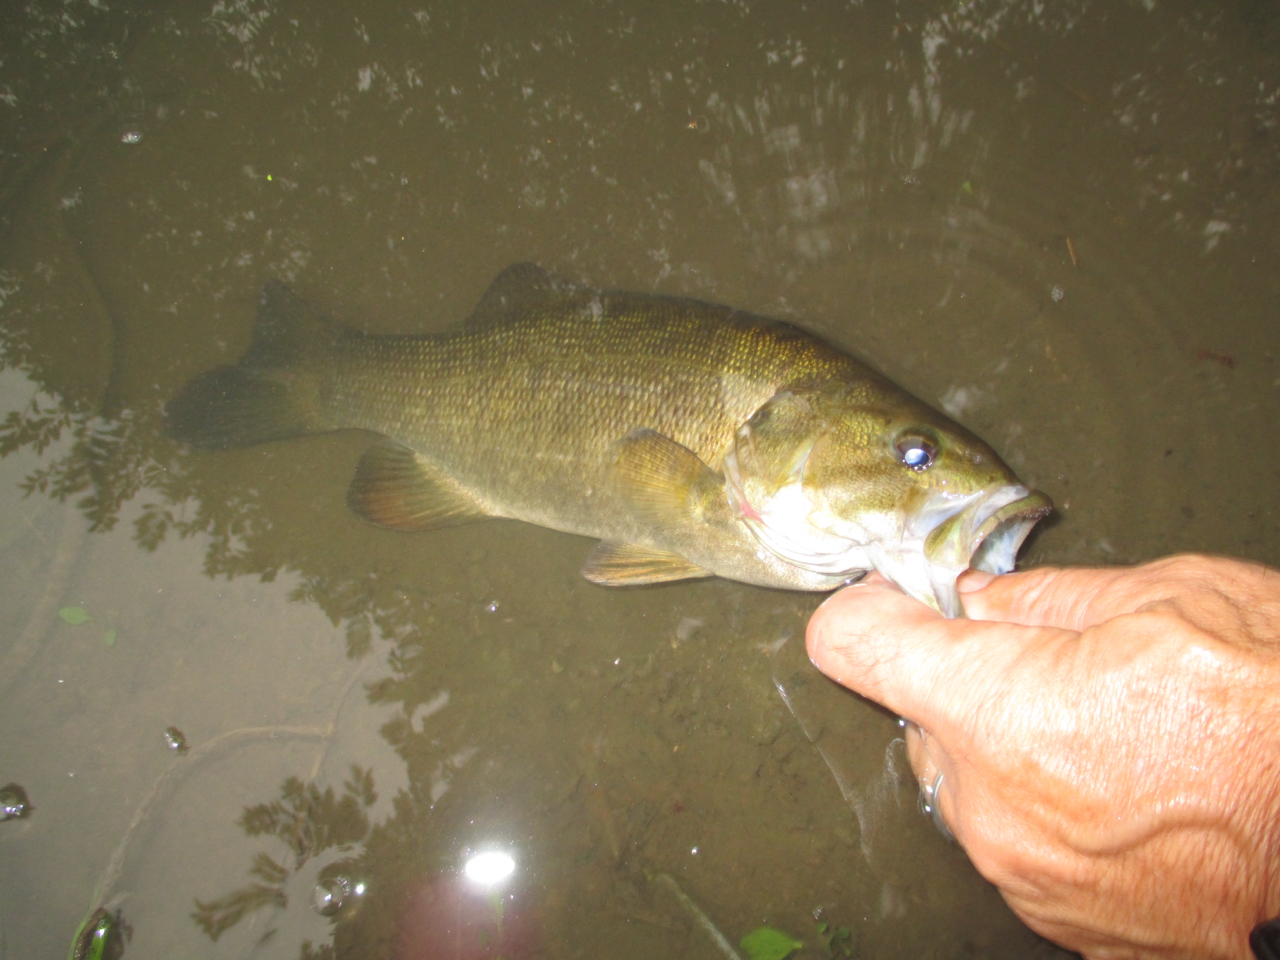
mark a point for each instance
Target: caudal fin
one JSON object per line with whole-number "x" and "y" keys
{"x": 272, "y": 392}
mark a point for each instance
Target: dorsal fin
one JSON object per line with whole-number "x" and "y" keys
{"x": 521, "y": 285}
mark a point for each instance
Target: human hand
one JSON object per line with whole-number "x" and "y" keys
{"x": 1108, "y": 739}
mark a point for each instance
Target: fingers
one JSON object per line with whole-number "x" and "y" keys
{"x": 1073, "y": 598}
{"x": 933, "y": 770}
{"x": 886, "y": 646}
{"x": 1078, "y": 598}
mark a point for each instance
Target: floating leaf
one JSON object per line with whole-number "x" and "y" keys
{"x": 767, "y": 943}
{"x": 110, "y": 637}
{"x": 74, "y": 615}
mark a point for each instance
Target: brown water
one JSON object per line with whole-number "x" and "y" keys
{"x": 1057, "y": 221}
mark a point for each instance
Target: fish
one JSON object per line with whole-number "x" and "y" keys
{"x": 689, "y": 438}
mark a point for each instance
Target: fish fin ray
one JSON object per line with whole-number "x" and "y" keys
{"x": 270, "y": 394}
{"x": 661, "y": 480}
{"x": 628, "y": 564}
{"x": 236, "y": 407}
{"x": 288, "y": 330}
{"x": 398, "y": 488}
{"x": 521, "y": 285}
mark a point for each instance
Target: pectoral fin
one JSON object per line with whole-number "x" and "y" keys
{"x": 398, "y": 488}
{"x": 663, "y": 481}
{"x": 626, "y": 564}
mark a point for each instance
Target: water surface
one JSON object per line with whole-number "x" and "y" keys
{"x": 1057, "y": 222}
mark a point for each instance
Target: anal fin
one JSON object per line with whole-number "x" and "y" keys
{"x": 626, "y": 564}
{"x": 398, "y": 488}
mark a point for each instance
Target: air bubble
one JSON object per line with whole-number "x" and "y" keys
{"x": 14, "y": 804}
{"x": 175, "y": 741}
{"x": 330, "y": 894}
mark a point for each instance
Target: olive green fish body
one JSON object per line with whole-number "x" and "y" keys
{"x": 527, "y": 416}
{"x": 609, "y": 415}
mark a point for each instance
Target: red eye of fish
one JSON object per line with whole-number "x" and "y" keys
{"x": 915, "y": 452}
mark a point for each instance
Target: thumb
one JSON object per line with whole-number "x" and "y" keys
{"x": 878, "y": 642}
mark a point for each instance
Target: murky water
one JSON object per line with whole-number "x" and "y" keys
{"x": 1057, "y": 221}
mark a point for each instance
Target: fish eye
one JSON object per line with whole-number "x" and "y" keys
{"x": 915, "y": 451}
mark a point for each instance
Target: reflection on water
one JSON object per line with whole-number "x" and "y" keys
{"x": 1059, "y": 224}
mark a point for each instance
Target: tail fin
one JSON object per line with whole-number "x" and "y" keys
{"x": 272, "y": 392}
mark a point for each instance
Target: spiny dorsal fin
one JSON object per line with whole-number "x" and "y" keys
{"x": 521, "y": 285}
{"x": 626, "y": 564}
{"x": 662, "y": 481}
{"x": 398, "y": 488}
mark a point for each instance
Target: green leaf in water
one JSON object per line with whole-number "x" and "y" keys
{"x": 767, "y": 943}
{"x": 74, "y": 615}
{"x": 110, "y": 637}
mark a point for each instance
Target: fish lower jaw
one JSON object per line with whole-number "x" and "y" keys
{"x": 932, "y": 584}
{"x": 839, "y": 559}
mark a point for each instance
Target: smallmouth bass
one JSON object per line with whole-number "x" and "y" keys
{"x": 691, "y": 439}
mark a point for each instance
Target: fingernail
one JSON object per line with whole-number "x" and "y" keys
{"x": 837, "y": 593}
{"x": 974, "y": 580}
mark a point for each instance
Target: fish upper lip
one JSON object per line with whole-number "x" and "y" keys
{"x": 1031, "y": 506}
{"x": 984, "y": 517}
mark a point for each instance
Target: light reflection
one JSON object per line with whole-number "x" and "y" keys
{"x": 490, "y": 868}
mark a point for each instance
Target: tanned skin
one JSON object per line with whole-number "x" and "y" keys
{"x": 1108, "y": 739}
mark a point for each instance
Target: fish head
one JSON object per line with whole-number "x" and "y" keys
{"x": 844, "y": 478}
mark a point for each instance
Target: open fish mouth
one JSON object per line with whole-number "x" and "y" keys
{"x": 999, "y": 536}
{"x": 984, "y": 534}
